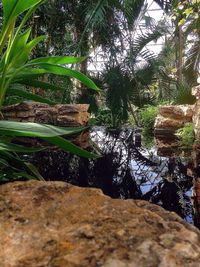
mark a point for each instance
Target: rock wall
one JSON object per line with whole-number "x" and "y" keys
{"x": 59, "y": 225}
{"x": 67, "y": 115}
{"x": 61, "y": 115}
{"x": 169, "y": 120}
{"x": 196, "y": 116}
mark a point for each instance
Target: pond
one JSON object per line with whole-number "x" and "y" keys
{"x": 125, "y": 170}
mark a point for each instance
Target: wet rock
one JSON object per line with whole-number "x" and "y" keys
{"x": 59, "y": 225}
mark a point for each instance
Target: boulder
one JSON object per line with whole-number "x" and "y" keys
{"x": 167, "y": 123}
{"x": 178, "y": 112}
{"x": 55, "y": 224}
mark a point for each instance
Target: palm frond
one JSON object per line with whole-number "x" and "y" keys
{"x": 192, "y": 62}
{"x": 131, "y": 10}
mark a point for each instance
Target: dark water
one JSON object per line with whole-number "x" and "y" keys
{"x": 125, "y": 170}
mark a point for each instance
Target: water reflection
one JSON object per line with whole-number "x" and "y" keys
{"x": 125, "y": 170}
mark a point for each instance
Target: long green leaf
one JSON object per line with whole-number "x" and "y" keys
{"x": 19, "y": 44}
{"x": 40, "y": 84}
{"x": 59, "y": 70}
{"x": 13, "y": 128}
{"x": 68, "y": 146}
{"x": 34, "y": 170}
{"x": 20, "y": 59}
{"x": 57, "y": 60}
{"x": 29, "y": 96}
{"x": 6, "y": 146}
{"x": 13, "y": 8}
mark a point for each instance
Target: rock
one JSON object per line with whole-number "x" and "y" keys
{"x": 55, "y": 224}
{"x": 178, "y": 112}
{"x": 167, "y": 123}
{"x": 196, "y": 91}
{"x": 169, "y": 120}
{"x": 61, "y": 115}
{"x": 67, "y": 115}
{"x": 167, "y": 147}
{"x": 196, "y": 116}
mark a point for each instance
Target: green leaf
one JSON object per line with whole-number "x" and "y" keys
{"x": 181, "y": 22}
{"x": 27, "y": 73}
{"x": 68, "y": 146}
{"x": 6, "y": 146}
{"x": 3, "y": 163}
{"x": 57, "y": 60}
{"x": 13, "y": 128}
{"x": 21, "y": 58}
{"x": 13, "y": 8}
{"x": 40, "y": 84}
{"x": 19, "y": 44}
{"x": 59, "y": 70}
{"x": 29, "y": 96}
{"x": 34, "y": 170}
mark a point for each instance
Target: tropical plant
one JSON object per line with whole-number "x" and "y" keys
{"x": 15, "y": 50}
{"x": 17, "y": 69}
{"x": 183, "y": 94}
{"x": 186, "y": 135}
{"x": 147, "y": 117}
{"x": 118, "y": 91}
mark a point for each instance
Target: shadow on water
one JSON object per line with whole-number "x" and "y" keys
{"x": 126, "y": 170}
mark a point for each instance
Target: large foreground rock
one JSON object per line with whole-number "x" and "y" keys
{"x": 55, "y": 224}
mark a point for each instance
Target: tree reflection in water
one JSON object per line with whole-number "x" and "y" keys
{"x": 124, "y": 171}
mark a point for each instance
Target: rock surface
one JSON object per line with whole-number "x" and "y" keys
{"x": 67, "y": 115}
{"x": 168, "y": 121}
{"x": 178, "y": 112}
{"x": 61, "y": 115}
{"x": 55, "y": 224}
{"x": 196, "y": 117}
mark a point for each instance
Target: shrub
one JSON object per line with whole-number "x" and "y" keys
{"x": 147, "y": 117}
{"x": 186, "y": 135}
{"x": 103, "y": 118}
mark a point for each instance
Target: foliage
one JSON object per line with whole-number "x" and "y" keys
{"x": 119, "y": 88}
{"x": 103, "y": 118}
{"x": 186, "y": 16}
{"x": 15, "y": 50}
{"x": 147, "y": 117}
{"x": 183, "y": 95}
{"x": 186, "y": 135}
{"x": 17, "y": 69}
